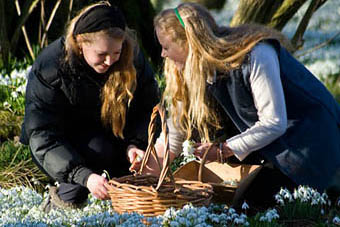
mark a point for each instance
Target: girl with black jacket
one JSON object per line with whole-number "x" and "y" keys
{"x": 88, "y": 103}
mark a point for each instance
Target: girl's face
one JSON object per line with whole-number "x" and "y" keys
{"x": 171, "y": 49}
{"x": 102, "y": 52}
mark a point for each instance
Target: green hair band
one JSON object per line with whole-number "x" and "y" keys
{"x": 179, "y": 17}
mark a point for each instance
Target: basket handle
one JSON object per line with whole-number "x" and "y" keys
{"x": 151, "y": 146}
{"x": 203, "y": 160}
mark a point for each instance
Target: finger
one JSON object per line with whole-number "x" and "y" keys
{"x": 198, "y": 153}
{"x": 132, "y": 155}
{"x": 140, "y": 155}
{"x": 96, "y": 195}
{"x": 101, "y": 194}
{"x": 134, "y": 166}
{"x": 196, "y": 145}
{"x": 104, "y": 193}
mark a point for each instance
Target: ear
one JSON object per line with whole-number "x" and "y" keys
{"x": 79, "y": 41}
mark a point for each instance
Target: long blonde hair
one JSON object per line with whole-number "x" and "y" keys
{"x": 118, "y": 90}
{"x": 210, "y": 48}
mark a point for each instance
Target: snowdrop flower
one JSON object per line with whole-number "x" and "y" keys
{"x": 6, "y": 105}
{"x": 35, "y": 181}
{"x": 174, "y": 224}
{"x": 336, "y": 220}
{"x": 169, "y": 213}
{"x": 245, "y": 206}
{"x": 22, "y": 88}
{"x": 14, "y": 94}
{"x": 269, "y": 216}
{"x": 192, "y": 216}
{"x": 201, "y": 219}
{"x": 231, "y": 211}
{"x": 214, "y": 218}
{"x": 188, "y": 148}
{"x": 238, "y": 221}
{"x": 322, "y": 211}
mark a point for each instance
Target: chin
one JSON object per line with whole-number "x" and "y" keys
{"x": 99, "y": 70}
{"x": 179, "y": 66}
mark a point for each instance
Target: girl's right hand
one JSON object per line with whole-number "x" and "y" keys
{"x": 96, "y": 185}
{"x": 135, "y": 157}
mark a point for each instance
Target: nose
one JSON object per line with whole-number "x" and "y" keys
{"x": 109, "y": 60}
{"x": 163, "y": 54}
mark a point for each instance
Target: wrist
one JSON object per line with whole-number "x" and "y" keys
{"x": 224, "y": 151}
{"x": 130, "y": 147}
{"x": 82, "y": 176}
{"x": 220, "y": 156}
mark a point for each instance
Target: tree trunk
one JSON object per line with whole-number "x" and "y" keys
{"x": 4, "y": 42}
{"x": 139, "y": 15}
{"x": 276, "y": 14}
{"x": 210, "y": 4}
{"x": 255, "y": 11}
{"x": 157, "y": 5}
{"x": 285, "y": 13}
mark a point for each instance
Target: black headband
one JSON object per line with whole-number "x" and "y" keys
{"x": 98, "y": 18}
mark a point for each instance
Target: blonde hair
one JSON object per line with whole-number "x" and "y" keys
{"x": 118, "y": 90}
{"x": 210, "y": 48}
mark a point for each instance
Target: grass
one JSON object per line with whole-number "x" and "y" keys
{"x": 17, "y": 168}
{"x": 332, "y": 82}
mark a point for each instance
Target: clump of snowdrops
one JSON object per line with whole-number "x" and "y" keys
{"x": 20, "y": 206}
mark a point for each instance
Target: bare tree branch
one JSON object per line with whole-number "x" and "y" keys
{"x": 28, "y": 8}
{"x": 42, "y": 23}
{"x": 49, "y": 22}
{"x": 69, "y": 11}
{"x": 318, "y": 46}
{"x": 28, "y": 43}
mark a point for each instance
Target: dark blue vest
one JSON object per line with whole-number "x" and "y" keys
{"x": 309, "y": 151}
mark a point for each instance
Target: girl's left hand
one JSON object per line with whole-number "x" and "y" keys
{"x": 213, "y": 153}
{"x": 202, "y": 148}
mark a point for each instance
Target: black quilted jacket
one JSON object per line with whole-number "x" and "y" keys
{"x": 63, "y": 104}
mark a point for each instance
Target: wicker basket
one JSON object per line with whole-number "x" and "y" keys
{"x": 216, "y": 174}
{"x": 150, "y": 195}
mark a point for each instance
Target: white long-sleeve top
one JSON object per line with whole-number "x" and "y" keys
{"x": 269, "y": 101}
{"x": 267, "y": 91}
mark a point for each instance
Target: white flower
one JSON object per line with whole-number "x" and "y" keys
{"x": 14, "y": 94}
{"x": 336, "y": 220}
{"x": 6, "y": 105}
{"x": 231, "y": 211}
{"x": 245, "y": 206}
{"x": 238, "y": 221}
{"x": 174, "y": 224}
{"x": 188, "y": 148}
